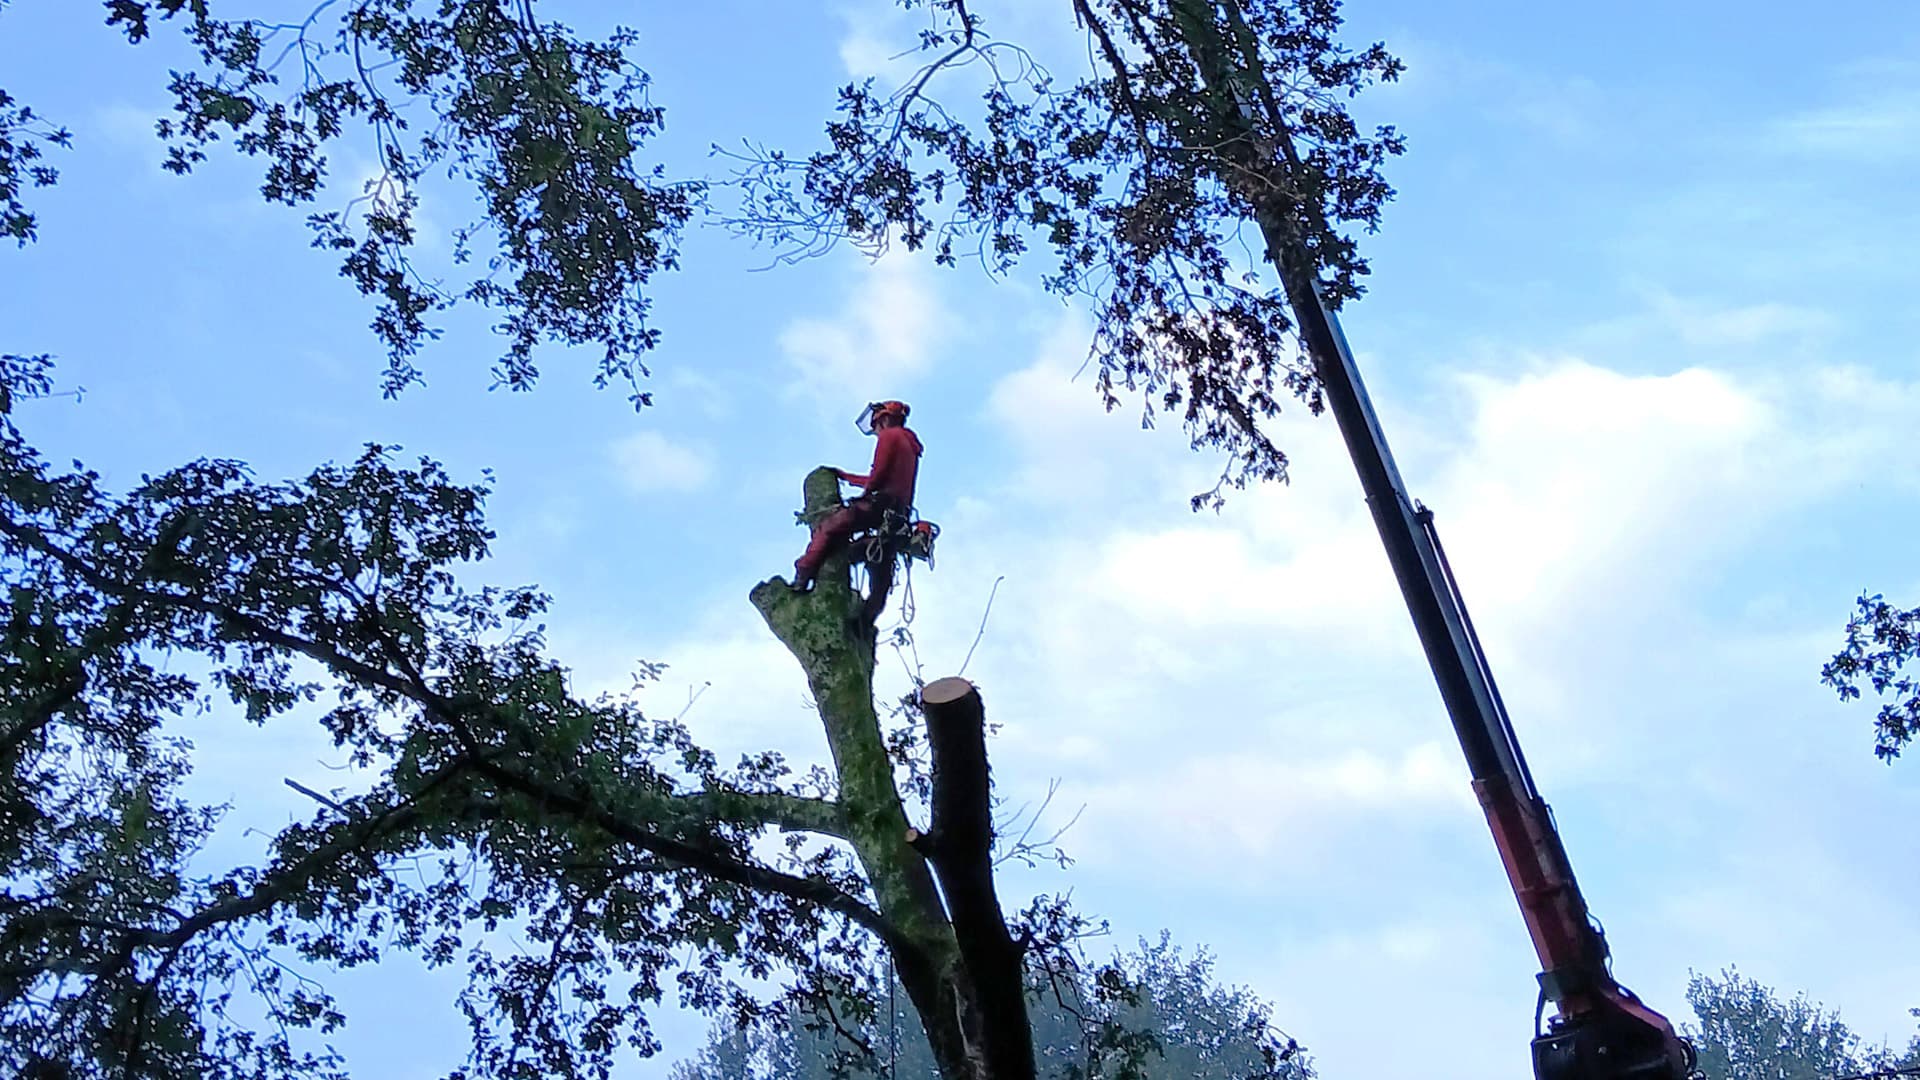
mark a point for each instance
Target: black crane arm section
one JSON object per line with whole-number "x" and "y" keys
{"x": 1601, "y": 1031}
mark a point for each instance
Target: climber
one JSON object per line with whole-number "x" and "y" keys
{"x": 887, "y": 486}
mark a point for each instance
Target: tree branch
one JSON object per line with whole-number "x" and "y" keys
{"x": 788, "y": 813}
{"x": 67, "y": 686}
{"x": 254, "y": 626}
{"x": 810, "y": 815}
{"x": 718, "y": 864}
{"x": 279, "y": 884}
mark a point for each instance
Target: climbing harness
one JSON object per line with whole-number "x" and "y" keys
{"x": 902, "y": 534}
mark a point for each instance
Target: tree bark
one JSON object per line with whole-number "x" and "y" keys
{"x": 836, "y": 651}
{"x": 961, "y": 846}
{"x": 952, "y": 951}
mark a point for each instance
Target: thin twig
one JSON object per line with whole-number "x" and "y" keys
{"x": 692, "y": 696}
{"x": 1026, "y": 849}
{"x": 983, "y": 624}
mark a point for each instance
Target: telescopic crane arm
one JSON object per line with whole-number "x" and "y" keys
{"x": 1601, "y": 1031}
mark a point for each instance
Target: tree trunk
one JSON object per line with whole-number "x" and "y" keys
{"x": 960, "y": 845}
{"x": 835, "y": 647}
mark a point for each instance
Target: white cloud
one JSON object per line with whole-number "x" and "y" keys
{"x": 1240, "y": 706}
{"x": 1697, "y": 323}
{"x": 1568, "y": 111}
{"x": 879, "y": 343}
{"x": 648, "y": 461}
{"x": 1181, "y": 668}
{"x": 383, "y": 191}
{"x": 1469, "y": 970}
{"x": 128, "y": 129}
{"x": 882, "y": 41}
{"x": 131, "y": 127}
{"x": 867, "y": 52}
{"x": 1574, "y": 472}
{"x": 1570, "y": 480}
{"x": 1071, "y": 449}
{"x": 372, "y": 189}
{"x": 1871, "y": 115}
{"x": 1746, "y": 333}
{"x": 1580, "y": 505}
{"x": 1883, "y": 127}
{"x": 691, "y": 390}
{"x": 1265, "y": 810}
{"x": 739, "y": 690}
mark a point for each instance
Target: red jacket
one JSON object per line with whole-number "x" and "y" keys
{"x": 896, "y": 463}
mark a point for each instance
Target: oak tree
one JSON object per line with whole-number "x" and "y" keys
{"x": 639, "y": 863}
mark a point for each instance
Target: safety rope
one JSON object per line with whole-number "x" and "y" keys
{"x": 906, "y": 594}
{"x": 880, "y": 545}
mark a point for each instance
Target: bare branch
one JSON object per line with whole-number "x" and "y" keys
{"x": 314, "y": 795}
{"x": 982, "y": 632}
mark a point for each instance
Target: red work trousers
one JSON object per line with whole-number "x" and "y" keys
{"x": 835, "y": 530}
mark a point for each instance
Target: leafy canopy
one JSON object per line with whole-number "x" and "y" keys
{"x": 1129, "y": 179}
{"x": 544, "y": 125}
{"x": 635, "y": 863}
{"x": 1152, "y": 1013}
{"x": 1881, "y": 640}
{"x": 1746, "y": 1032}
{"x": 496, "y": 798}
{"x": 1145, "y": 181}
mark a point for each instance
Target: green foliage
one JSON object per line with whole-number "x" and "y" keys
{"x": 1881, "y": 641}
{"x": 490, "y": 799}
{"x": 1211, "y": 118}
{"x": 1141, "y": 182}
{"x": 1747, "y": 1033}
{"x": 544, "y": 125}
{"x": 23, "y": 136}
{"x": 1180, "y": 1023}
{"x": 632, "y": 862}
{"x": 605, "y": 836}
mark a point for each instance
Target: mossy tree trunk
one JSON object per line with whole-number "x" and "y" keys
{"x": 954, "y": 954}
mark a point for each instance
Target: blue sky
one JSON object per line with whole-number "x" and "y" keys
{"x": 1640, "y": 328}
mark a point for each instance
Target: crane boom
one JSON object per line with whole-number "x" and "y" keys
{"x": 1601, "y": 1030}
